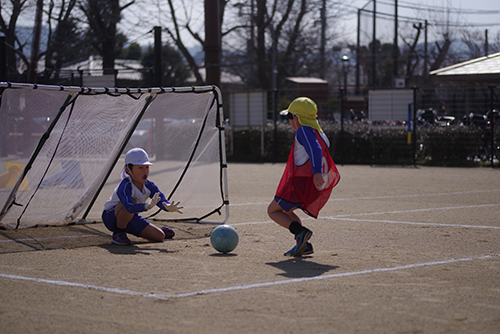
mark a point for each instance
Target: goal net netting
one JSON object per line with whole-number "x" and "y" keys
{"x": 62, "y": 150}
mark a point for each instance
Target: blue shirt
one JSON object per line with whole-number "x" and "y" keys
{"x": 309, "y": 148}
{"x": 132, "y": 198}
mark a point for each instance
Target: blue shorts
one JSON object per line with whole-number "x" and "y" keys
{"x": 135, "y": 226}
{"x": 286, "y": 205}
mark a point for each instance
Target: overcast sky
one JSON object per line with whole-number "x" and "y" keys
{"x": 480, "y": 15}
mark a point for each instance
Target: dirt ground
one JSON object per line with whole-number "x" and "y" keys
{"x": 396, "y": 250}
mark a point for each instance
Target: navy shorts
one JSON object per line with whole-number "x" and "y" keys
{"x": 135, "y": 226}
{"x": 286, "y": 205}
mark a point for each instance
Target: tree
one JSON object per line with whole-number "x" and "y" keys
{"x": 175, "y": 34}
{"x": 66, "y": 42}
{"x": 175, "y": 72}
{"x": 133, "y": 51}
{"x": 102, "y": 18}
{"x": 10, "y": 14}
{"x": 292, "y": 26}
{"x": 410, "y": 55}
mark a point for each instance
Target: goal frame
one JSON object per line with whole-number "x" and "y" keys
{"x": 153, "y": 91}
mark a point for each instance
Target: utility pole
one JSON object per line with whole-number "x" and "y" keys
{"x": 35, "y": 45}
{"x": 358, "y": 53}
{"x": 426, "y": 56}
{"x": 157, "y": 71}
{"x": 486, "y": 42}
{"x": 212, "y": 42}
{"x": 3, "y": 59}
{"x": 374, "y": 45}
{"x": 395, "y": 49}
{"x": 323, "y": 41}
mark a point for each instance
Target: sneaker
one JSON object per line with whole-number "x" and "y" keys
{"x": 120, "y": 238}
{"x": 302, "y": 239}
{"x": 309, "y": 250}
{"x": 169, "y": 233}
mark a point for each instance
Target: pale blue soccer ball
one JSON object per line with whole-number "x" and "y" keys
{"x": 224, "y": 238}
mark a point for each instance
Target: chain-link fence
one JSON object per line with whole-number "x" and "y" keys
{"x": 441, "y": 126}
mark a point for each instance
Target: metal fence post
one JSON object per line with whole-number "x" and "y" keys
{"x": 415, "y": 126}
{"x": 341, "y": 126}
{"x": 493, "y": 120}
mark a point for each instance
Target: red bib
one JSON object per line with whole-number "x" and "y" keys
{"x": 297, "y": 186}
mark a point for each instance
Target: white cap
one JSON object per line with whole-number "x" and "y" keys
{"x": 135, "y": 156}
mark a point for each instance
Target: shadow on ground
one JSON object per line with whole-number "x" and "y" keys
{"x": 297, "y": 267}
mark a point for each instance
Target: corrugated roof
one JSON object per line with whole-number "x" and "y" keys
{"x": 486, "y": 65}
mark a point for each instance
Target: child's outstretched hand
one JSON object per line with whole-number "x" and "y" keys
{"x": 173, "y": 207}
{"x": 148, "y": 205}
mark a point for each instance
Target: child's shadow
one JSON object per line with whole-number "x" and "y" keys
{"x": 132, "y": 249}
{"x": 296, "y": 267}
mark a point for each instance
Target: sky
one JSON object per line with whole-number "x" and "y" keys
{"x": 480, "y": 15}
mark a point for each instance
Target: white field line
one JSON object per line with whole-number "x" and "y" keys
{"x": 247, "y": 286}
{"x": 54, "y": 238}
{"x": 385, "y": 197}
{"x": 336, "y": 217}
{"x": 346, "y": 217}
{"x": 415, "y": 223}
{"x": 415, "y": 210}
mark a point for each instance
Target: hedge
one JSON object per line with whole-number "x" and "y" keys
{"x": 368, "y": 144}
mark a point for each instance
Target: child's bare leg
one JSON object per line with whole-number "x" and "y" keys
{"x": 280, "y": 216}
{"x": 152, "y": 233}
{"x": 294, "y": 217}
{"x": 123, "y": 217}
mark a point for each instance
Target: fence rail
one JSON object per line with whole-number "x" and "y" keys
{"x": 444, "y": 126}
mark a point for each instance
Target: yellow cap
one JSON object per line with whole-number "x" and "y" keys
{"x": 306, "y": 110}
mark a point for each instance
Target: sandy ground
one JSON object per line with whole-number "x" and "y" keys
{"x": 397, "y": 250}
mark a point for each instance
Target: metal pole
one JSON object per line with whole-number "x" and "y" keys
{"x": 374, "y": 46}
{"x": 492, "y": 150}
{"x": 415, "y": 126}
{"x": 212, "y": 42}
{"x": 358, "y": 51}
{"x": 342, "y": 126}
{"x": 157, "y": 58}
{"x": 3, "y": 60}
{"x": 426, "y": 56}
{"x": 323, "y": 40}
{"x": 35, "y": 45}
{"x": 486, "y": 42}
{"x": 274, "y": 93}
{"x": 395, "y": 49}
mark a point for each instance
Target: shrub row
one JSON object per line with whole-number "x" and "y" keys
{"x": 362, "y": 143}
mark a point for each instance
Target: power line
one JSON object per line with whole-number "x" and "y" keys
{"x": 443, "y": 9}
{"x": 411, "y": 5}
{"x": 408, "y": 19}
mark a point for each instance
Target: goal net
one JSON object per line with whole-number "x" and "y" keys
{"x": 62, "y": 150}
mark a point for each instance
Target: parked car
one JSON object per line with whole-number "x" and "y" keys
{"x": 445, "y": 120}
{"x": 494, "y": 116}
{"x": 478, "y": 120}
{"x": 427, "y": 116}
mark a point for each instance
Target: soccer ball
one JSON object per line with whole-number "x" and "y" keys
{"x": 224, "y": 238}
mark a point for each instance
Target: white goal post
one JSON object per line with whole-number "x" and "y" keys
{"x": 62, "y": 149}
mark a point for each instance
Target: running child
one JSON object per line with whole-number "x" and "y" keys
{"x": 135, "y": 194}
{"x": 309, "y": 176}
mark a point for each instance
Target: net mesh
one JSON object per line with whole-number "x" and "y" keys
{"x": 74, "y": 171}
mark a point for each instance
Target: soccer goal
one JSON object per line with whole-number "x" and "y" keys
{"x": 62, "y": 149}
